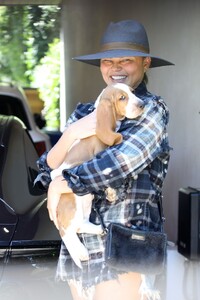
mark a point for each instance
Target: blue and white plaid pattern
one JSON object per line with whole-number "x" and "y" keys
{"x": 136, "y": 168}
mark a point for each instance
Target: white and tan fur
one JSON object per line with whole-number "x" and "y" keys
{"x": 114, "y": 104}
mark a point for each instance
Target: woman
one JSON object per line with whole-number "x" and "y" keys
{"x": 139, "y": 166}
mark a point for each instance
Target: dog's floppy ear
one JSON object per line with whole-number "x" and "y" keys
{"x": 106, "y": 123}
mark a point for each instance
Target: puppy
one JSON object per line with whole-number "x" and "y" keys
{"x": 114, "y": 104}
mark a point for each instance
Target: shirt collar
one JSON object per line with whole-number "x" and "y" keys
{"x": 142, "y": 93}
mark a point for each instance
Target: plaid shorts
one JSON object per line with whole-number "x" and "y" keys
{"x": 93, "y": 271}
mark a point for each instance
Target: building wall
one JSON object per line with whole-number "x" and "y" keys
{"x": 173, "y": 29}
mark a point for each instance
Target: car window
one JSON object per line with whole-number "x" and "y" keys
{"x": 10, "y": 105}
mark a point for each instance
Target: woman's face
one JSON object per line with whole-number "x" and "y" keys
{"x": 128, "y": 70}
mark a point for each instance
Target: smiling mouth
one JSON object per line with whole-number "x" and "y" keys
{"x": 118, "y": 77}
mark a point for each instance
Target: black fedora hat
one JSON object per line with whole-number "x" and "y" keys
{"x": 123, "y": 39}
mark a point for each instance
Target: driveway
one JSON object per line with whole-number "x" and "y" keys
{"x": 30, "y": 278}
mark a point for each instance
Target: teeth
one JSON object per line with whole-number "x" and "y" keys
{"x": 118, "y": 77}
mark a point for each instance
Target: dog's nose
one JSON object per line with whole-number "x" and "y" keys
{"x": 140, "y": 103}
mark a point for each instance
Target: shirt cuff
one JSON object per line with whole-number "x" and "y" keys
{"x": 74, "y": 182}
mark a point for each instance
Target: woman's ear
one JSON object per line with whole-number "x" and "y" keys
{"x": 106, "y": 123}
{"x": 147, "y": 63}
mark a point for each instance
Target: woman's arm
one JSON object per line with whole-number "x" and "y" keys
{"x": 58, "y": 152}
{"x": 80, "y": 129}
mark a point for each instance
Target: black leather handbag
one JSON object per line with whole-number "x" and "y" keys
{"x": 128, "y": 249}
{"x": 131, "y": 250}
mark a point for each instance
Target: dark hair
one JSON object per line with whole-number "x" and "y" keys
{"x": 145, "y": 78}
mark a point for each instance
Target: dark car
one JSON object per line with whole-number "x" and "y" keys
{"x": 13, "y": 101}
{"x": 26, "y": 232}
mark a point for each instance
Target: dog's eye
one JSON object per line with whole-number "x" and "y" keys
{"x": 122, "y": 98}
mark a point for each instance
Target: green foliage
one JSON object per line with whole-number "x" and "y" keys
{"x": 30, "y": 52}
{"x": 12, "y": 46}
{"x": 44, "y": 23}
{"x": 25, "y": 35}
{"x": 47, "y": 79}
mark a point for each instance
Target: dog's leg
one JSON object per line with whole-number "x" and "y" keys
{"x": 70, "y": 217}
{"x": 84, "y": 204}
{"x": 77, "y": 250}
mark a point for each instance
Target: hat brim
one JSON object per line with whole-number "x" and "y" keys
{"x": 94, "y": 59}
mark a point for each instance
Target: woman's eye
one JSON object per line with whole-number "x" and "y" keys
{"x": 106, "y": 62}
{"x": 125, "y": 61}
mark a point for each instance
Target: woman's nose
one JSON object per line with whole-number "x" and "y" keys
{"x": 116, "y": 66}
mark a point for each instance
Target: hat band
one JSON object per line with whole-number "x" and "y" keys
{"x": 124, "y": 46}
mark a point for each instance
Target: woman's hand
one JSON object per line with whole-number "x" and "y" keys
{"x": 57, "y": 187}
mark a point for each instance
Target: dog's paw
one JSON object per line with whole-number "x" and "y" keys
{"x": 111, "y": 194}
{"x": 83, "y": 254}
{"x": 76, "y": 249}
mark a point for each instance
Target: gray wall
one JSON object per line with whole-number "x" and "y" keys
{"x": 173, "y": 28}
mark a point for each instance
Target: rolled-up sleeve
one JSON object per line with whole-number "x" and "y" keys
{"x": 143, "y": 141}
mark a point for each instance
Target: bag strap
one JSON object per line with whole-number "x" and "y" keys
{"x": 105, "y": 229}
{"x": 161, "y": 212}
{"x": 160, "y": 208}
